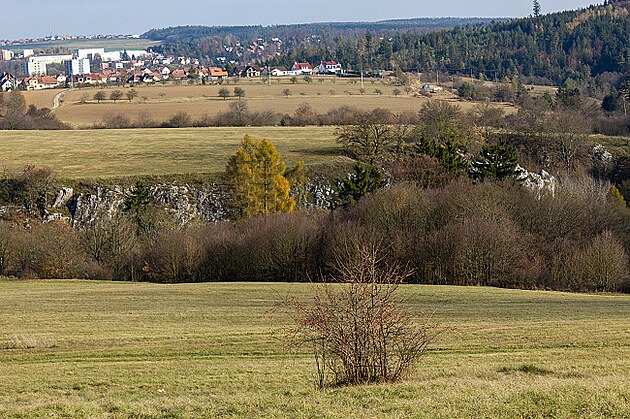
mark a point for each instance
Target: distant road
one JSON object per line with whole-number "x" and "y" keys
{"x": 58, "y": 98}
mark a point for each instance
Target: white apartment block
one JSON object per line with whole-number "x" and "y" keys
{"x": 89, "y": 53}
{"x": 36, "y": 65}
{"x": 6, "y": 55}
{"x": 108, "y": 57}
{"x": 78, "y": 66}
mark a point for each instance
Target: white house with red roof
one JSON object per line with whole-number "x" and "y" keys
{"x": 302, "y": 68}
{"x": 329, "y": 67}
{"x": 40, "y": 83}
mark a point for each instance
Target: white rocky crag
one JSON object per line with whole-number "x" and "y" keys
{"x": 600, "y": 154}
{"x": 540, "y": 183}
{"x": 187, "y": 203}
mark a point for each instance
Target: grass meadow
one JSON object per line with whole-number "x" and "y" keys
{"x": 161, "y": 102}
{"x": 103, "y": 349}
{"x": 139, "y": 152}
{"x": 70, "y": 44}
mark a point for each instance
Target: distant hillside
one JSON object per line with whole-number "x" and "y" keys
{"x": 249, "y": 33}
{"x": 241, "y": 43}
{"x": 588, "y": 47}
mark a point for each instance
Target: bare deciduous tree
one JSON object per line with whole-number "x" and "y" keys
{"x": 371, "y": 136}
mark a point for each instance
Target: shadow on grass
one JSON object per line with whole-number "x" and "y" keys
{"x": 527, "y": 369}
{"x": 324, "y": 151}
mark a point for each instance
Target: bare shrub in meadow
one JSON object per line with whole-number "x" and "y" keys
{"x": 356, "y": 327}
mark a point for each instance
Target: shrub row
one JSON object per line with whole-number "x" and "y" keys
{"x": 463, "y": 234}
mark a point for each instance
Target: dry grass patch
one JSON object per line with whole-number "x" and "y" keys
{"x": 136, "y": 152}
{"x": 161, "y": 102}
{"x": 207, "y": 350}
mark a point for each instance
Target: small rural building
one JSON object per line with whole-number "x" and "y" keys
{"x": 248, "y": 71}
{"x": 329, "y": 67}
{"x": 302, "y": 68}
{"x": 217, "y": 73}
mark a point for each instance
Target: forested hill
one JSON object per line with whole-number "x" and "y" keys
{"x": 582, "y": 46}
{"x": 331, "y": 29}
{"x": 259, "y": 44}
{"x": 574, "y": 44}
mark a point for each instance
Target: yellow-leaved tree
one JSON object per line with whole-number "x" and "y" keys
{"x": 255, "y": 175}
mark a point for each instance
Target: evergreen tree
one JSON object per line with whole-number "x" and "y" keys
{"x": 448, "y": 155}
{"x": 139, "y": 205}
{"x": 364, "y": 180}
{"x": 624, "y": 95}
{"x": 255, "y": 175}
{"x": 497, "y": 161}
{"x": 536, "y": 8}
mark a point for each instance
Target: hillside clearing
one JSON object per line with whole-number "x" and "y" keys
{"x": 101, "y": 349}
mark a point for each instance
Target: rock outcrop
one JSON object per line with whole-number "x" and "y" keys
{"x": 187, "y": 203}
{"x": 539, "y": 183}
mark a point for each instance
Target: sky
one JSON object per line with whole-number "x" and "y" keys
{"x": 36, "y": 18}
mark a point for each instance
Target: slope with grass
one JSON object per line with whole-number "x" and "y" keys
{"x": 98, "y": 349}
{"x": 140, "y": 152}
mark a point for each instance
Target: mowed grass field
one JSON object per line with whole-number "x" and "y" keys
{"x": 103, "y": 349}
{"x": 121, "y": 153}
{"x": 161, "y": 102}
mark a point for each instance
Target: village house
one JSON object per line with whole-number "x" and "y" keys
{"x": 62, "y": 79}
{"x": 114, "y": 77}
{"x": 40, "y": 83}
{"x": 248, "y": 71}
{"x": 329, "y": 67}
{"x": 217, "y": 73}
{"x": 179, "y": 75}
{"x": 302, "y": 68}
{"x": 166, "y": 73}
{"x": 90, "y": 78}
{"x": 7, "y": 82}
{"x": 275, "y": 71}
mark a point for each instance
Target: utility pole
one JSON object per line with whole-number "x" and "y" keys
{"x": 361, "y": 69}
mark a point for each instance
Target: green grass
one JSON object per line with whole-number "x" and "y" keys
{"x": 618, "y": 146}
{"x": 107, "y": 44}
{"x": 142, "y": 152}
{"x": 206, "y": 350}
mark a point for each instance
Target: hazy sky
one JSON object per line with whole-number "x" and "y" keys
{"x": 34, "y": 18}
